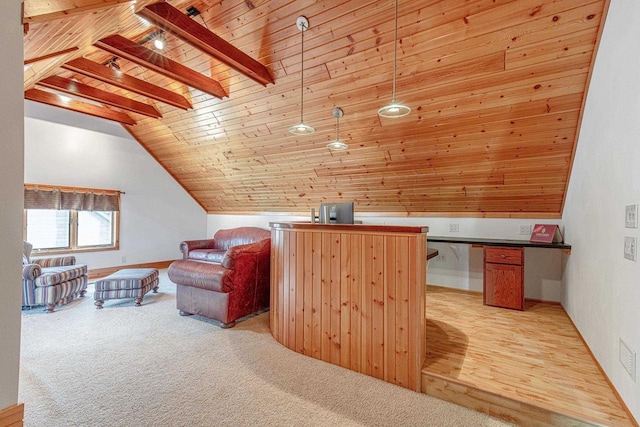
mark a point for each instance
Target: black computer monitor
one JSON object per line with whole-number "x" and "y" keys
{"x": 339, "y": 213}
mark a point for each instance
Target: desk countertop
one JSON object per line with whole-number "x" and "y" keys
{"x": 497, "y": 242}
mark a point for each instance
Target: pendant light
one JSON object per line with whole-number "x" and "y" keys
{"x": 394, "y": 109}
{"x": 337, "y": 144}
{"x": 301, "y": 128}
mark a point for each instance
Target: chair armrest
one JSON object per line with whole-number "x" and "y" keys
{"x": 31, "y": 271}
{"x": 189, "y": 245}
{"x": 55, "y": 261}
{"x": 235, "y": 253}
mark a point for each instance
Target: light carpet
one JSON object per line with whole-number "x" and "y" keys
{"x": 148, "y": 366}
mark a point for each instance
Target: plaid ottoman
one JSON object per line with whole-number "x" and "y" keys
{"x": 126, "y": 283}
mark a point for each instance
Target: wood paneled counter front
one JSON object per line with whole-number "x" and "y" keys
{"x": 352, "y": 295}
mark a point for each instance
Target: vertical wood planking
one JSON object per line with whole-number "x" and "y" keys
{"x": 336, "y": 276}
{"x": 355, "y": 301}
{"x": 415, "y": 311}
{"x": 291, "y": 288}
{"x": 346, "y": 272}
{"x": 299, "y": 288}
{"x": 317, "y": 295}
{"x": 378, "y": 313}
{"x": 308, "y": 284}
{"x": 402, "y": 310}
{"x": 352, "y": 299}
{"x": 325, "y": 254}
{"x": 274, "y": 312}
{"x": 390, "y": 309}
{"x": 366, "y": 305}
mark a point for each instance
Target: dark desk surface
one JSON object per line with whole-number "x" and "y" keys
{"x": 498, "y": 242}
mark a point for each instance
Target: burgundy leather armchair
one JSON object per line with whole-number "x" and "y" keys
{"x": 224, "y": 278}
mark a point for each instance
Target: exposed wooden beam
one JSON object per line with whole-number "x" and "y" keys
{"x": 78, "y": 106}
{"x": 169, "y": 18}
{"x": 125, "y": 48}
{"x": 117, "y": 78}
{"x": 50, "y": 55}
{"x": 41, "y": 11}
{"x": 82, "y": 90}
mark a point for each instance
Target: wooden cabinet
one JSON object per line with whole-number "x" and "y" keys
{"x": 504, "y": 277}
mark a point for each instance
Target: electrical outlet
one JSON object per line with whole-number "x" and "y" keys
{"x": 630, "y": 248}
{"x": 628, "y": 359}
{"x": 453, "y": 228}
{"x": 525, "y": 229}
{"x": 124, "y": 259}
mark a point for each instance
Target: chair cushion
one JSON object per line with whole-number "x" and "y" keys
{"x": 56, "y": 275}
{"x": 226, "y": 239}
{"x": 209, "y": 255}
{"x": 204, "y": 275}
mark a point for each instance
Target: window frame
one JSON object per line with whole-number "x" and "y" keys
{"x": 73, "y": 236}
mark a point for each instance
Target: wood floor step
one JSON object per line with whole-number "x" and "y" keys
{"x": 529, "y": 367}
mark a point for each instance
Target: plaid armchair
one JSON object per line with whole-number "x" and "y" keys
{"x": 51, "y": 281}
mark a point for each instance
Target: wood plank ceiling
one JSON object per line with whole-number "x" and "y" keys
{"x": 496, "y": 89}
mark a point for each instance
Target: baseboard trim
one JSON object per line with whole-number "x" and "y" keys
{"x": 96, "y": 273}
{"x": 12, "y": 416}
{"x": 602, "y": 371}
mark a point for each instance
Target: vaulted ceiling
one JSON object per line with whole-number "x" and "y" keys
{"x": 496, "y": 89}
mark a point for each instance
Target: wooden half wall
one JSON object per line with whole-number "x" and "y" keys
{"x": 353, "y": 296}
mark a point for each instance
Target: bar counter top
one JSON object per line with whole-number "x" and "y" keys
{"x": 349, "y": 227}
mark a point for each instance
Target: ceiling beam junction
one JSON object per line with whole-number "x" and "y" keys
{"x": 50, "y": 55}
{"x": 84, "y": 91}
{"x": 56, "y": 100}
{"x": 171, "y": 19}
{"x": 117, "y": 78}
{"x": 125, "y": 48}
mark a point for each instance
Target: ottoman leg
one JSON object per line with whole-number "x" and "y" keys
{"x": 98, "y": 303}
{"x": 184, "y": 313}
{"x": 155, "y": 290}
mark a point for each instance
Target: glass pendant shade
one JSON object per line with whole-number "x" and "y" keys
{"x": 337, "y": 144}
{"x": 301, "y": 128}
{"x": 394, "y": 109}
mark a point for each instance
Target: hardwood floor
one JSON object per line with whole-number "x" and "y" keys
{"x": 530, "y": 367}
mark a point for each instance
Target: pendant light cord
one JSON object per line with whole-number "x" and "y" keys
{"x": 395, "y": 54}
{"x": 302, "y": 30}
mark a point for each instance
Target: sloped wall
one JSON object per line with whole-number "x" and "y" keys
{"x": 156, "y": 212}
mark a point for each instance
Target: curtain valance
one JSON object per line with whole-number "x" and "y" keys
{"x": 70, "y": 198}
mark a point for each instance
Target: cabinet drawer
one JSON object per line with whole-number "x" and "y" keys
{"x": 502, "y": 255}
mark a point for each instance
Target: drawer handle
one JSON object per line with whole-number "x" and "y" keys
{"x": 503, "y": 256}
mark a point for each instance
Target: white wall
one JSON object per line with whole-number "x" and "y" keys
{"x": 156, "y": 212}
{"x": 602, "y": 288}
{"x": 462, "y": 265}
{"x": 11, "y": 199}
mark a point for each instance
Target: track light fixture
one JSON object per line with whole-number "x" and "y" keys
{"x": 337, "y": 144}
{"x": 159, "y": 41}
{"x": 394, "y": 109}
{"x": 301, "y": 128}
{"x": 113, "y": 64}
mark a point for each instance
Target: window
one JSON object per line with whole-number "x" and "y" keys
{"x": 71, "y": 221}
